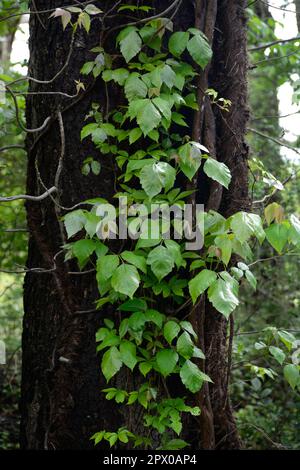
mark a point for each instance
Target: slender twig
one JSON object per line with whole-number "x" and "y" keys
{"x": 14, "y": 146}
{"x": 273, "y": 43}
{"x": 277, "y": 141}
{"x": 38, "y": 129}
{"x": 30, "y": 198}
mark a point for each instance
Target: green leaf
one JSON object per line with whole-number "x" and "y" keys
{"x": 175, "y": 444}
{"x": 130, "y": 45}
{"x": 74, "y": 222}
{"x": 201, "y": 282}
{"x": 137, "y": 260}
{"x": 106, "y": 266}
{"x": 156, "y": 176}
{"x": 166, "y": 361}
{"x": 277, "y": 235}
{"x": 251, "y": 279}
{"x": 189, "y": 159}
{"x": 134, "y": 135}
{"x": 118, "y": 75}
{"x": 244, "y": 225}
{"x": 223, "y": 295}
{"x": 95, "y": 167}
{"x": 225, "y": 244}
{"x": 87, "y": 68}
{"x": 161, "y": 262}
{"x": 185, "y": 345}
{"x": 135, "y": 87}
{"x": 155, "y": 317}
{"x": 148, "y": 117}
{"x": 186, "y": 325}
{"x": 192, "y": 377}
{"x": 86, "y": 21}
{"x": 92, "y": 10}
{"x": 145, "y": 368}
{"x": 88, "y": 130}
{"x": 125, "y": 280}
{"x": 294, "y": 234}
{"x": 128, "y": 354}
{"x": 134, "y": 305}
{"x": 83, "y": 249}
{"x": 278, "y": 354}
{"x": 111, "y": 363}
{"x": 178, "y": 42}
{"x": 292, "y": 375}
{"x": 168, "y": 76}
{"x": 200, "y": 49}
{"x": 171, "y": 330}
{"x": 217, "y": 171}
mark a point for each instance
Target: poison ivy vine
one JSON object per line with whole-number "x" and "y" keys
{"x": 142, "y": 136}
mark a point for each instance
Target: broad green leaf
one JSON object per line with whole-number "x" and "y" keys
{"x": 294, "y": 233}
{"x": 174, "y": 249}
{"x": 171, "y": 330}
{"x": 128, "y": 354}
{"x": 111, "y": 363}
{"x": 278, "y": 354}
{"x": 164, "y": 105}
{"x": 148, "y": 117}
{"x": 175, "y": 444}
{"x": 217, "y": 171}
{"x": 83, "y": 249}
{"x": 223, "y": 295}
{"x": 277, "y": 235}
{"x": 106, "y": 266}
{"x": 244, "y": 225}
{"x": 185, "y": 345}
{"x": 145, "y": 368}
{"x": 74, "y": 222}
{"x": 166, "y": 361}
{"x": 137, "y": 260}
{"x": 178, "y": 42}
{"x": 130, "y": 45}
{"x": 201, "y": 282}
{"x": 161, "y": 262}
{"x": 118, "y": 75}
{"x": 168, "y": 76}
{"x": 292, "y": 375}
{"x": 155, "y": 317}
{"x": 156, "y": 176}
{"x": 187, "y": 326}
{"x": 251, "y": 279}
{"x": 135, "y": 87}
{"x": 92, "y": 10}
{"x": 225, "y": 244}
{"x": 134, "y": 305}
{"x": 200, "y": 49}
{"x": 88, "y": 129}
{"x": 125, "y": 280}
{"x": 273, "y": 212}
{"x": 192, "y": 377}
{"x": 134, "y": 135}
{"x": 189, "y": 159}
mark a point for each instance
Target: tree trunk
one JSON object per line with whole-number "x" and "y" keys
{"x": 61, "y": 381}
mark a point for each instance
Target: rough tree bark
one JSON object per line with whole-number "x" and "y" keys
{"x": 61, "y": 401}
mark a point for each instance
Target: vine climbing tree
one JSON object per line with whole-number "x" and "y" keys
{"x": 128, "y": 343}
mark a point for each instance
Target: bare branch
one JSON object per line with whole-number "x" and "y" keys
{"x": 15, "y": 146}
{"x": 273, "y": 139}
{"x": 273, "y": 43}
{"x": 29, "y": 198}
